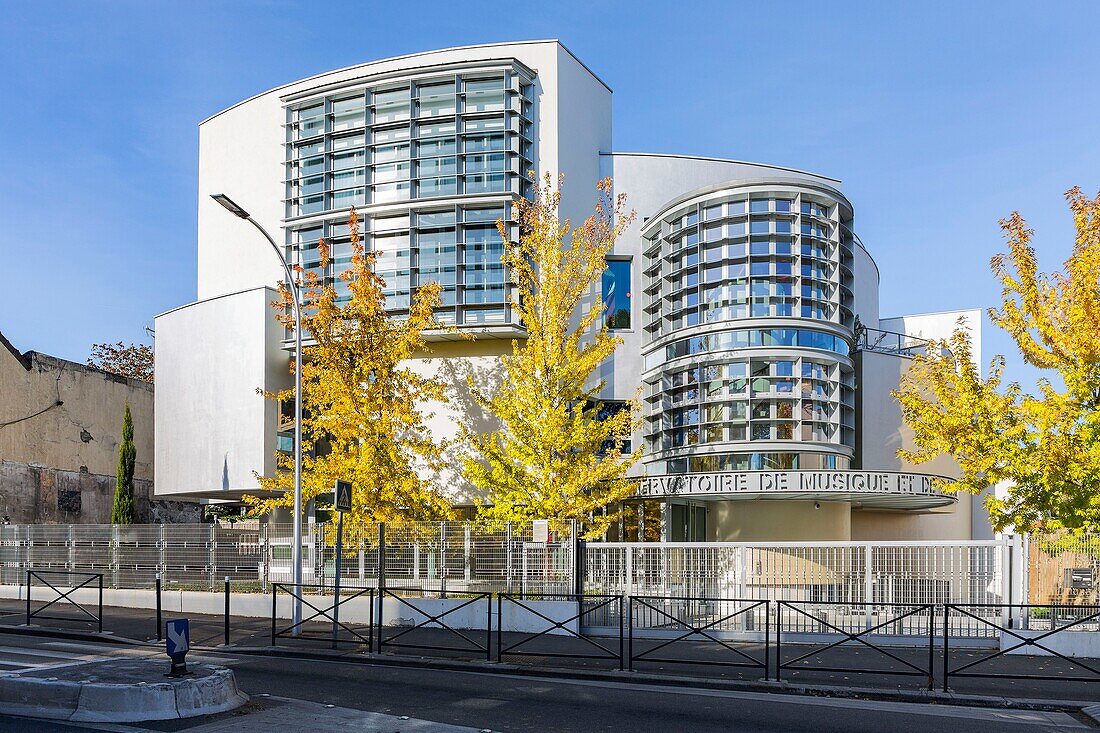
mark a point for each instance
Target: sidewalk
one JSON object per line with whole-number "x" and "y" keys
{"x": 527, "y": 654}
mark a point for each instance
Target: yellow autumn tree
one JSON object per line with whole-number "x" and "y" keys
{"x": 1046, "y": 444}
{"x": 559, "y": 453}
{"x": 362, "y": 405}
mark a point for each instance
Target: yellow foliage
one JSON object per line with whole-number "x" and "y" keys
{"x": 1048, "y": 444}
{"x": 363, "y": 417}
{"x": 558, "y": 454}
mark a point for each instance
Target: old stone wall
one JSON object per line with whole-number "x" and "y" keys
{"x": 81, "y": 433}
{"x": 38, "y": 495}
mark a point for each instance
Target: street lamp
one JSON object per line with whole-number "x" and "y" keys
{"x": 296, "y": 551}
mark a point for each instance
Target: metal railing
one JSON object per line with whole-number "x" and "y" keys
{"x": 895, "y": 614}
{"x": 433, "y": 622}
{"x": 848, "y": 572}
{"x": 589, "y": 648}
{"x": 330, "y": 612}
{"x": 700, "y": 620}
{"x": 1085, "y": 619}
{"x": 67, "y": 596}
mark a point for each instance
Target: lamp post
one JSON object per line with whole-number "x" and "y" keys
{"x": 296, "y": 551}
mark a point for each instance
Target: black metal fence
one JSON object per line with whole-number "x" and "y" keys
{"x": 569, "y": 627}
{"x": 789, "y": 637}
{"x": 706, "y": 622}
{"x": 435, "y": 633}
{"x": 875, "y": 631}
{"x": 314, "y": 626}
{"x": 43, "y": 576}
{"x": 1031, "y": 627}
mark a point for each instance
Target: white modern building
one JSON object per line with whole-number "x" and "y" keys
{"x": 748, "y": 306}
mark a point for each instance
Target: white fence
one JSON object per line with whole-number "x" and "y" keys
{"x": 850, "y": 586}
{"x": 435, "y": 556}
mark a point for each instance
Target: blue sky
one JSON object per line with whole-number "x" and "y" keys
{"x": 940, "y": 118}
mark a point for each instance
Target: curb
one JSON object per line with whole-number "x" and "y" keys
{"x": 1088, "y": 707}
{"x": 104, "y": 637}
{"x": 105, "y": 702}
{"x": 783, "y": 687}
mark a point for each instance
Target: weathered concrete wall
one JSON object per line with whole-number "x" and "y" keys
{"x": 60, "y": 427}
{"x": 83, "y": 433}
{"x": 38, "y": 495}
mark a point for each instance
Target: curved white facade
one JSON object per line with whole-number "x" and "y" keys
{"x": 740, "y": 292}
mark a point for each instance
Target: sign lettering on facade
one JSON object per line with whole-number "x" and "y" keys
{"x": 783, "y": 482}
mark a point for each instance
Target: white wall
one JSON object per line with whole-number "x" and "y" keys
{"x": 938, "y": 326}
{"x": 241, "y": 151}
{"x": 213, "y": 429}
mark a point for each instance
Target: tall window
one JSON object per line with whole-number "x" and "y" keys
{"x": 616, "y": 294}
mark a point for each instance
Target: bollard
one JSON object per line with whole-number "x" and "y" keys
{"x": 227, "y": 611}
{"x": 160, "y": 624}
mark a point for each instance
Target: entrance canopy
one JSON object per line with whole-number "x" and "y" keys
{"x": 867, "y": 489}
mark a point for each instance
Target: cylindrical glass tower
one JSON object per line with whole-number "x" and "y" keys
{"x": 748, "y": 318}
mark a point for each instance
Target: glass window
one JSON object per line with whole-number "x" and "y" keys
{"x": 759, "y": 206}
{"x": 484, "y": 85}
{"x": 437, "y": 129}
{"x": 484, "y": 124}
{"x": 616, "y": 294}
{"x": 485, "y": 162}
{"x": 489, "y": 215}
{"x": 436, "y": 219}
{"x": 387, "y": 153}
{"x": 480, "y": 143}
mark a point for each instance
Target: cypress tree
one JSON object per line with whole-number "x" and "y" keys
{"x": 123, "y": 511}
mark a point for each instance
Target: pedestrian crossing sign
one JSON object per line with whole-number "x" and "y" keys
{"x": 343, "y": 496}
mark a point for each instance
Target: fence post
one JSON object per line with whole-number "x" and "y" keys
{"x": 28, "y": 596}
{"x": 628, "y": 569}
{"x": 946, "y": 637}
{"x": 210, "y": 555}
{"x": 227, "y": 610}
{"x": 868, "y": 583}
{"x": 742, "y": 572}
{"x": 1006, "y": 578}
{"x": 578, "y": 566}
{"x": 100, "y": 614}
{"x": 381, "y": 578}
{"x": 265, "y": 556}
{"x": 630, "y": 631}
{"x": 160, "y": 626}
{"x": 778, "y": 639}
{"x": 71, "y": 563}
{"x": 767, "y": 640}
{"x": 466, "y": 551}
{"x": 443, "y": 559}
{"x": 114, "y": 555}
{"x": 508, "y": 558}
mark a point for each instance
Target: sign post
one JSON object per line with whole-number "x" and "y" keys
{"x": 177, "y": 642}
{"x": 342, "y": 495}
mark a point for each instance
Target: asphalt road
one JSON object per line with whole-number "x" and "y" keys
{"x": 540, "y": 705}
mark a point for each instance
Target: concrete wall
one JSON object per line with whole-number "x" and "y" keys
{"x": 59, "y": 464}
{"x": 213, "y": 429}
{"x": 777, "y": 521}
{"x": 85, "y": 431}
{"x": 40, "y": 495}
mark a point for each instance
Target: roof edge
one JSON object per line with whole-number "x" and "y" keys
{"x": 216, "y": 297}
{"x": 23, "y": 359}
{"x": 408, "y": 56}
{"x": 721, "y": 160}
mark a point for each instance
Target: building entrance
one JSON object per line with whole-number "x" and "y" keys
{"x": 687, "y": 522}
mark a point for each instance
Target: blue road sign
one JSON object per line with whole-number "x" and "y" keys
{"x": 177, "y": 637}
